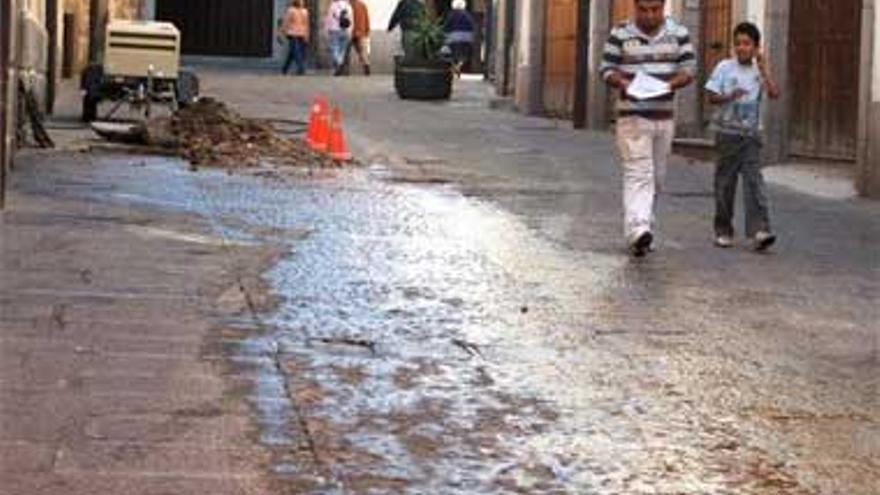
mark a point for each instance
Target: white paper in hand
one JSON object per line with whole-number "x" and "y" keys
{"x": 645, "y": 87}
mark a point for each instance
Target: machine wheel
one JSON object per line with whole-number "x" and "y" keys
{"x": 187, "y": 89}
{"x": 91, "y": 81}
{"x": 90, "y": 107}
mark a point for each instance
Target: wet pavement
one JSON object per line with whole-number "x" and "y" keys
{"x": 447, "y": 322}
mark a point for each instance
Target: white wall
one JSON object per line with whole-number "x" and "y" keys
{"x": 528, "y": 77}
{"x": 380, "y": 13}
{"x": 756, "y": 11}
{"x": 525, "y": 52}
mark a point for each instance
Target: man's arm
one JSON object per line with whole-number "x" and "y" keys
{"x": 687, "y": 62}
{"x": 618, "y": 80}
{"x": 681, "y": 80}
{"x": 395, "y": 17}
{"x": 367, "y": 18}
{"x": 612, "y": 57}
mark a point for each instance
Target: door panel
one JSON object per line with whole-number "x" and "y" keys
{"x": 240, "y": 28}
{"x": 621, "y": 10}
{"x": 716, "y": 42}
{"x": 824, "y": 78}
{"x": 559, "y": 57}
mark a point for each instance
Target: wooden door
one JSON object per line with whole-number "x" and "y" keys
{"x": 824, "y": 48}
{"x": 238, "y": 28}
{"x": 716, "y": 42}
{"x": 622, "y": 10}
{"x": 560, "y": 38}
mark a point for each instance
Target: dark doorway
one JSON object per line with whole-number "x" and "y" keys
{"x": 5, "y": 107}
{"x": 67, "y": 54}
{"x": 232, "y": 28}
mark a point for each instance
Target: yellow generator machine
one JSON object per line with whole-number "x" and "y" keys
{"x": 141, "y": 66}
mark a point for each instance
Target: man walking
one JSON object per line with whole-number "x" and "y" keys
{"x": 338, "y": 25}
{"x": 360, "y": 37}
{"x": 405, "y": 15}
{"x": 659, "y": 51}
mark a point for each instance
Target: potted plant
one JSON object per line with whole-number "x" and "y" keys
{"x": 423, "y": 72}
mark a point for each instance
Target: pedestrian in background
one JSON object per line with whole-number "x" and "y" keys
{"x": 338, "y": 23}
{"x": 658, "y": 47}
{"x": 737, "y": 87}
{"x": 360, "y": 36}
{"x": 459, "y": 27}
{"x": 295, "y": 28}
{"x": 405, "y": 15}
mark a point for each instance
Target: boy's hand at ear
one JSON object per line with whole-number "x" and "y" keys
{"x": 761, "y": 60}
{"x": 769, "y": 84}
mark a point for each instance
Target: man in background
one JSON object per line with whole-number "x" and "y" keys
{"x": 406, "y": 15}
{"x": 360, "y": 37}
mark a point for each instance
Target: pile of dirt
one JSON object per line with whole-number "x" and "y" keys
{"x": 209, "y": 133}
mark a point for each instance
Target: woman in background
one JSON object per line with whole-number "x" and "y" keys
{"x": 295, "y": 27}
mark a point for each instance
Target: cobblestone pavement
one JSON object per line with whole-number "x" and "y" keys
{"x": 680, "y": 374}
{"x": 459, "y": 316}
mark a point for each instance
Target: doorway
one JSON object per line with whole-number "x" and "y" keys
{"x": 716, "y": 43}
{"x": 231, "y": 28}
{"x": 560, "y": 45}
{"x": 824, "y": 47}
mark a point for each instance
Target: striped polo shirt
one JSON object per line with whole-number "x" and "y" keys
{"x": 663, "y": 55}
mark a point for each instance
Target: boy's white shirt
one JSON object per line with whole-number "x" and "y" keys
{"x": 746, "y": 77}
{"x": 730, "y": 75}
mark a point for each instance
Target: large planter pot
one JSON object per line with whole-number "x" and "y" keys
{"x": 422, "y": 81}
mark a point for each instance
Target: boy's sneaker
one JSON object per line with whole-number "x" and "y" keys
{"x": 724, "y": 241}
{"x": 763, "y": 240}
{"x": 642, "y": 245}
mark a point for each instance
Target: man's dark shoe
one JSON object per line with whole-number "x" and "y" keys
{"x": 642, "y": 245}
{"x": 366, "y": 70}
{"x": 764, "y": 240}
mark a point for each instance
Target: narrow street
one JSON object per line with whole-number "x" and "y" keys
{"x": 458, "y": 315}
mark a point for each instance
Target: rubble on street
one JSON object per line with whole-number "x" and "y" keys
{"x": 209, "y": 133}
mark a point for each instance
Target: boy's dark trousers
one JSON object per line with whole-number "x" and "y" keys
{"x": 740, "y": 155}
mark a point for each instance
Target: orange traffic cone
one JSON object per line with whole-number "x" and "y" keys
{"x": 322, "y": 135}
{"x": 317, "y": 131}
{"x": 337, "y": 148}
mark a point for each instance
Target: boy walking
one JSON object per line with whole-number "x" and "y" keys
{"x": 652, "y": 49}
{"x": 737, "y": 87}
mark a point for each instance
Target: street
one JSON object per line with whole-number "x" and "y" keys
{"x": 458, "y": 314}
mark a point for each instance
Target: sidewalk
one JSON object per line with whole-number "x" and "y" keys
{"x": 112, "y": 372}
